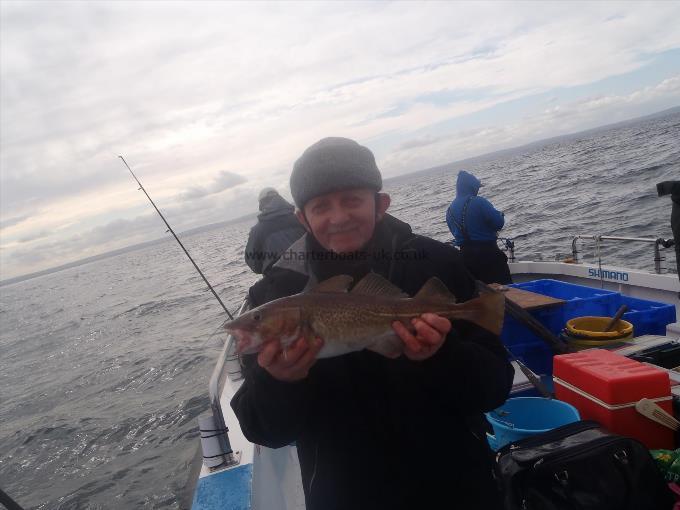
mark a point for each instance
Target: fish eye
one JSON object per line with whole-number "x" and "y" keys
{"x": 257, "y": 316}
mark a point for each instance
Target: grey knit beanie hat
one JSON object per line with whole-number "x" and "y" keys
{"x": 333, "y": 164}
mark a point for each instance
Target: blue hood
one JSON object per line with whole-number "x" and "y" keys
{"x": 467, "y": 184}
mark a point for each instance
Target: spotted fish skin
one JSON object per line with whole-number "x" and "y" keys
{"x": 360, "y": 318}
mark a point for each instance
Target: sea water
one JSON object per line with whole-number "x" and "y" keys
{"x": 104, "y": 367}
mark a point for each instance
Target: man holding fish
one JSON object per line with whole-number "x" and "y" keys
{"x": 382, "y": 393}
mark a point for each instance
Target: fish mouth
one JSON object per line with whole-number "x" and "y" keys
{"x": 245, "y": 343}
{"x": 242, "y": 345}
{"x": 249, "y": 342}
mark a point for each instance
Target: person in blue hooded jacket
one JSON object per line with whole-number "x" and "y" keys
{"x": 475, "y": 223}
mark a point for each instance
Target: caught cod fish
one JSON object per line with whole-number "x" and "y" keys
{"x": 360, "y": 318}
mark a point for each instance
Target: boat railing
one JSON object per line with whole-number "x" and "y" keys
{"x": 220, "y": 454}
{"x": 659, "y": 242}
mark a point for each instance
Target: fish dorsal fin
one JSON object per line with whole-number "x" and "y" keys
{"x": 375, "y": 285}
{"x": 338, "y": 283}
{"x": 435, "y": 290}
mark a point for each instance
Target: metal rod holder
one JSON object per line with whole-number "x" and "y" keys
{"x": 659, "y": 257}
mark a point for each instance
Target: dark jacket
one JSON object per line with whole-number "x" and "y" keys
{"x": 482, "y": 221}
{"x": 377, "y": 433}
{"x": 675, "y": 220}
{"x": 276, "y": 229}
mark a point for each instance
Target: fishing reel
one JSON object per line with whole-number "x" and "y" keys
{"x": 508, "y": 245}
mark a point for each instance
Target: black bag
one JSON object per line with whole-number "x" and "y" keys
{"x": 580, "y": 466}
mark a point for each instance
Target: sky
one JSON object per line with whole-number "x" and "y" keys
{"x": 210, "y": 102}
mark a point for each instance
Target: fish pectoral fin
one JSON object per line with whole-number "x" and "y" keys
{"x": 375, "y": 285}
{"x": 435, "y": 290}
{"x": 338, "y": 283}
{"x": 390, "y": 347}
{"x": 306, "y": 331}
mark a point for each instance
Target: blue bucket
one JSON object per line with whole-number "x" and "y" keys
{"x": 526, "y": 416}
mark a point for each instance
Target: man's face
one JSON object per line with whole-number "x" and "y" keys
{"x": 344, "y": 221}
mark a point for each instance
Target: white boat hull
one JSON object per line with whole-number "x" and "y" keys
{"x": 267, "y": 479}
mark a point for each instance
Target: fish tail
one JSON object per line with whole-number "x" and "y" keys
{"x": 486, "y": 311}
{"x": 493, "y": 308}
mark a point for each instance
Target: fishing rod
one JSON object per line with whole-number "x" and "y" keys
{"x": 8, "y": 502}
{"x": 231, "y": 317}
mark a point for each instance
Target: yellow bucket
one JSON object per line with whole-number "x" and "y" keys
{"x": 585, "y": 332}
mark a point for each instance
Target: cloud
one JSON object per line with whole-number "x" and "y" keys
{"x": 34, "y": 236}
{"x": 588, "y": 112}
{"x": 41, "y": 253}
{"x": 9, "y": 222}
{"x": 186, "y": 90}
{"x": 414, "y": 143}
{"x": 223, "y": 181}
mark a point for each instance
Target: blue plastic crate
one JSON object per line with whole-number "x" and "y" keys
{"x": 537, "y": 356}
{"x": 579, "y": 301}
{"x": 648, "y": 317}
{"x": 515, "y": 332}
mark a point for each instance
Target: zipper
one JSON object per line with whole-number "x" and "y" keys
{"x": 316, "y": 461}
{"x": 550, "y": 436}
{"x": 575, "y": 451}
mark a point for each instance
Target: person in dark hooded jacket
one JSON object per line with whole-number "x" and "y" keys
{"x": 672, "y": 188}
{"x": 374, "y": 432}
{"x": 474, "y": 224}
{"x": 276, "y": 229}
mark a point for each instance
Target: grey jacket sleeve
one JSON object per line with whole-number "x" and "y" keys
{"x": 253, "y": 254}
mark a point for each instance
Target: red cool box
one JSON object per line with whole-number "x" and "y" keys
{"x": 605, "y": 386}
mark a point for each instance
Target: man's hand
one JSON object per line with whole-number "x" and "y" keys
{"x": 291, "y": 364}
{"x": 431, "y": 331}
